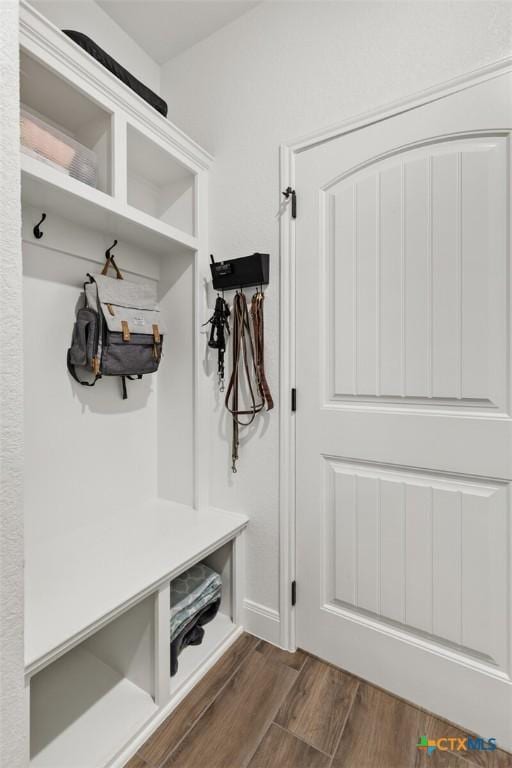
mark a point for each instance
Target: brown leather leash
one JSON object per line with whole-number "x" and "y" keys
{"x": 243, "y": 347}
{"x": 259, "y": 347}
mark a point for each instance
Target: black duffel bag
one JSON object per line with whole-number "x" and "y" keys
{"x": 120, "y": 72}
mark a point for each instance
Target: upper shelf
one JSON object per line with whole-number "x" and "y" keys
{"x": 78, "y": 582}
{"x": 46, "y": 43}
{"x": 136, "y": 177}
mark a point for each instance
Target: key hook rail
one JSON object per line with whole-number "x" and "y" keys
{"x": 248, "y": 368}
{"x": 245, "y": 272}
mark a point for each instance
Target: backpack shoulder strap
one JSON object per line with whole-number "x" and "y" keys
{"x": 73, "y": 373}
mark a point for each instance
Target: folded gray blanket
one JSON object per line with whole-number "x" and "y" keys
{"x": 190, "y": 592}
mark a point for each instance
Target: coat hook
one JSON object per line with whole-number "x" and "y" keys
{"x": 108, "y": 255}
{"x": 291, "y": 192}
{"x": 37, "y": 232}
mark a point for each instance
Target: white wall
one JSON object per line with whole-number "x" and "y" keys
{"x": 278, "y": 72}
{"x": 107, "y": 434}
{"x": 12, "y": 699}
{"x": 94, "y": 434}
{"x": 87, "y": 17}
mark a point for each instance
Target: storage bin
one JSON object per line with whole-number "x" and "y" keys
{"x": 57, "y": 149}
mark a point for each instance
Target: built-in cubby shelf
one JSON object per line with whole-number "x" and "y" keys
{"x": 77, "y": 582}
{"x": 95, "y": 697}
{"x": 158, "y": 184}
{"x": 146, "y": 187}
{"x": 116, "y": 491}
{"x": 62, "y": 106}
{"x": 191, "y": 658}
{"x": 98, "y": 689}
{"x": 222, "y": 560}
{"x": 51, "y": 191}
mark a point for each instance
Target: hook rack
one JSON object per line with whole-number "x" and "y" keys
{"x": 240, "y": 273}
{"x": 109, "y": 255}
{"x": 37, "y": 232}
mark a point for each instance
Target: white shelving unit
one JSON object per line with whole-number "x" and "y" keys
{"x": 116, "y": 500}
{"x": 163, "y": 538}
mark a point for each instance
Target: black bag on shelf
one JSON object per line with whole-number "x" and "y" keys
{"x": 120, "y": 72}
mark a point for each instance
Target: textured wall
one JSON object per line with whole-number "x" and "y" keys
{"x": 87, "y": 17}
{"x": 12, "y": 707}
{"x": 278, "y": 72}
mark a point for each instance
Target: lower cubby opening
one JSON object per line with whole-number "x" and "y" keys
{"x": 92, "y": 700}
{"x": 216, "y": 631}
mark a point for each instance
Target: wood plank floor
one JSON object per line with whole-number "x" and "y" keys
{"x": 261, "y": 707}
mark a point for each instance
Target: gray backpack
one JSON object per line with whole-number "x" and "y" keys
{"x": 118, "y": 332}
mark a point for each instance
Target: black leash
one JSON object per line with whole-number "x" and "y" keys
{"x": 220, "y": 326}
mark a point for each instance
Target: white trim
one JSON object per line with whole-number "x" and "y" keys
{"x": 261, "y": 621}
{"x": 397, "y": 107}
{"x": 416, "y": 641}
{"x": 286, "y": 417}
{"x": 201, "y": 382}
{"x": 288, "y": 152}
{"x": 238, "y": 577}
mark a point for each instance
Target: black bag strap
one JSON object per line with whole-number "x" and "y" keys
{"x": 123, "y": 383}
{"x": 73, "y": 373}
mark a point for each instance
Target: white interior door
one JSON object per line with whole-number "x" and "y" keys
{"x": 403, "y": 427}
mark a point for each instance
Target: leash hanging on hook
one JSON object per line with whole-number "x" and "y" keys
{"x": 248, "y": 362}
{"x": 220, "y": 327}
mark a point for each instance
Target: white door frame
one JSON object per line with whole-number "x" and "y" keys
{"x": 288, "y": 152}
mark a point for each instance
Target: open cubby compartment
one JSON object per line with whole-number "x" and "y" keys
{"x": 59, "y": 103}
{"x": 92, "y": 700}
{"x": 217, "y": 631}
{"x": 158, "y": 184}
{"x": 109, "y": 456}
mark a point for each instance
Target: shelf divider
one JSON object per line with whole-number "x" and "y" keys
{"x": 162, "y": 644}
{"x": 119, "y": 156}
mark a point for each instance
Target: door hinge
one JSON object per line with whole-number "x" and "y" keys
{"x": 294, "y": 399}
{"x": 294, "y": 592}
{"x": 291, "y": 192}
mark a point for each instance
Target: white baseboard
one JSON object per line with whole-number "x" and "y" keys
{"x": 262, "y": 622}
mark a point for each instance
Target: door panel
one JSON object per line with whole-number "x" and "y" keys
{"x": 403, "y": 432}
{"x": 421, "y": 550}
{"x": 420, "y": 315}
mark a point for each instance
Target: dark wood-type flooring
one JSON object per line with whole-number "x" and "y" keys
{"x": 260, "y": 707}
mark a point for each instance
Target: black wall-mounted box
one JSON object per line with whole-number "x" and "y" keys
{"x": 241, "y": 273}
